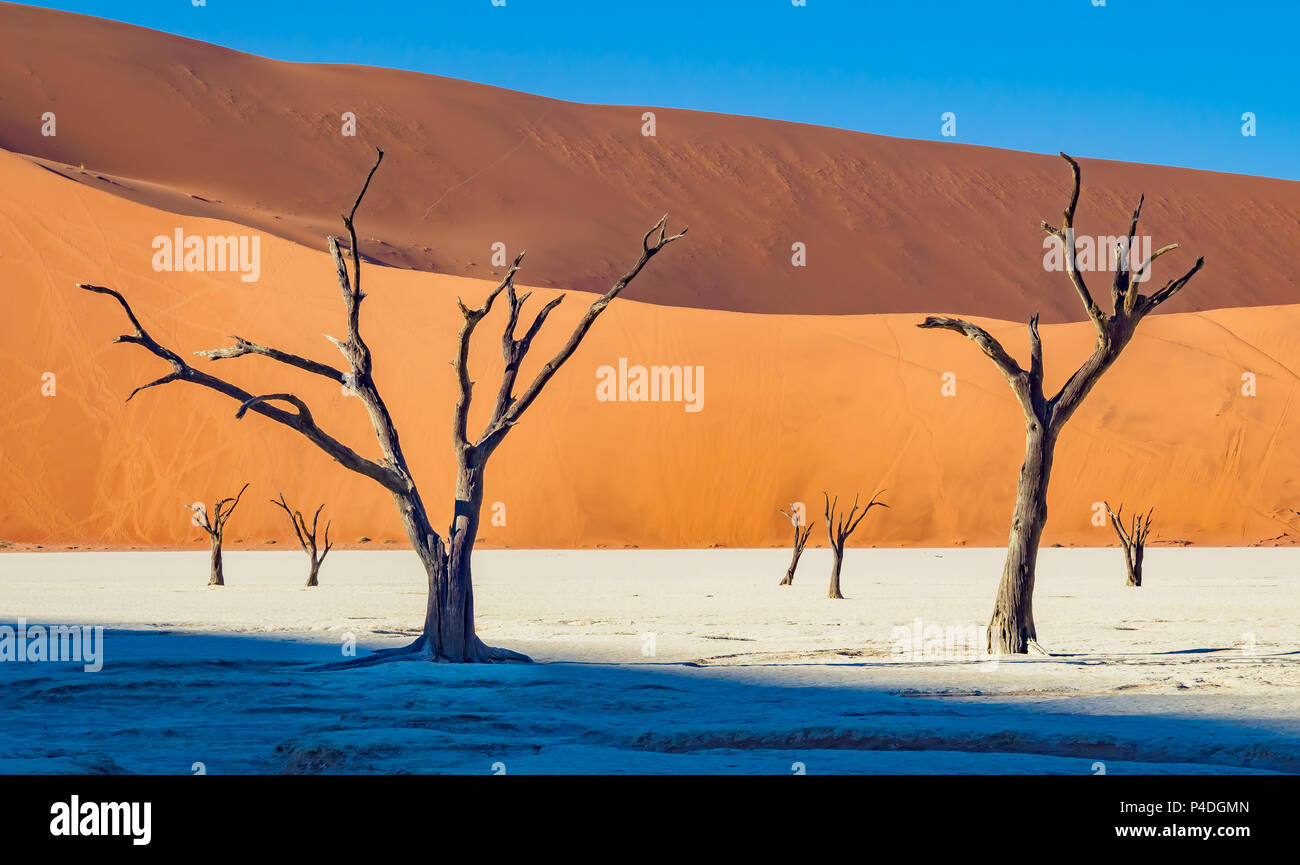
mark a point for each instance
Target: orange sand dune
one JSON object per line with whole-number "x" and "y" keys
{"x": 792, "y": 405}
{"x": 890, "y": 225}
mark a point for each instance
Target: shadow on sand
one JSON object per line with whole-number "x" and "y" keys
{"x": 176, "y": 703}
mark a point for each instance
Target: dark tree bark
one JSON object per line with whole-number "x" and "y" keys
{"x": 1133, "y": 539}
{"x": 448, "y": 633}
{"x": 1011, "y": 629}
{"x": 838, "y": 528}
{"x": 801, "y": 534}
{"x": 307, "y": 538}
{"x": 215, "y": 525}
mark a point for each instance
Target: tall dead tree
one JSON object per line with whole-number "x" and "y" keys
{"x": 307, "y": 537}
{"x": 215, "y": 525}
{"x": 1133, "y": 539}
{"x": 1011, "y": 630}
{"x": 839, "y": 527}
{"x": 801, "y": 534}
{"x": 448, "y": 633}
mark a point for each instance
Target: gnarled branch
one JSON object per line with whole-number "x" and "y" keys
{"x": 1066, "y": 236}
{"x": 182, "y": 371}
{"x": 840, "y": 525}
{"x": 1017, "y": 377}
{"x": 243, "y": 347}
{"x": 509, "y": 408}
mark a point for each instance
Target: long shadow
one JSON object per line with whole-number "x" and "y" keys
{"x": 172, "y": 702}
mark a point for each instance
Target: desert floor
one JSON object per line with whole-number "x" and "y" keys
{"x": 661, "y": 661}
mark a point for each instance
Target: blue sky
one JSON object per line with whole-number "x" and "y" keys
{"x": 1137, "y": 80}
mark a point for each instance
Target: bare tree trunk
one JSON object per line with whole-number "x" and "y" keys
{"x": 801, "y": 534}
{"x": 309, "y": 538}
{"x": 218, "y": 577}
{"x": 457, "y": 619}
{"x": 1133, "y": 540}
{"x": 215, "y": 525}
{"x": 789, "y": 572}
{"x": 838, "y": 553}
{"x": 1012, "y": 625}
{"x": 448, "y": 632}
{"x": 839, "y": 529}
{"x": 1012, "y": 628}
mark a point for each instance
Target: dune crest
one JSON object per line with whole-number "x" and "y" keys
{"x": 888, "y": 225}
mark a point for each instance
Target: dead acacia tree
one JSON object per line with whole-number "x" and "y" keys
{"x": 801, "y": 534}
{"x": 307, "y": 537}
{"x": 1011, "y": 629}
{"x": 448, "y": 633}
{"x": 838, "y": 529}
{"x": 1133, "y": 539}
{"x": 215, "y": 525}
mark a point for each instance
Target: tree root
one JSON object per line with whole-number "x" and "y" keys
{"x": 420, "y": 651}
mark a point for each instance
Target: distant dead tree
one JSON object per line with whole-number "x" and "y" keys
{"x": 801, "y": 534}
{"x": 215, "y": 525}
{"x": 1133, "y": 539}
{"x": 1011, "y": 629}
{"x": 838, "y": 529}
{"x": 307, "y": 537}
{"x": 448, "y": 633}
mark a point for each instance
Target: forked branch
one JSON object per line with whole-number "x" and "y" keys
{"x": 801, "y": 534}
{"x": 1065, "y": 234}
{"x": 1133, "y": 539}
{"x": 1016, "y": 376}
{"x": 215, "y": 523}
{"x": 509, "y": 408}
{"x": 392, "y": 473}
{"x": 840, "y": 525}
{"x": 300, "y": 421}
{"x": 309, "y": 537}
{"x": 1113, "y": 331}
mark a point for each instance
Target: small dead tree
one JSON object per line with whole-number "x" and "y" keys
{"x": 307, "y": 537}
{"x": 838, "y": 529}
{"x": 1011, "y": 630}
{"x": 215, "y": 525}
{"x": 448, "y": 633}
{"x": 1133, "y": 539}
{"x": 801, "y": 534}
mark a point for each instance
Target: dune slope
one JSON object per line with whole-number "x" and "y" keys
{"x": 889, "y": 225}
{"x": 791, "y": 406}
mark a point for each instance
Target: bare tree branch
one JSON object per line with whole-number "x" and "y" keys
{"x": 838, "y": 528}
{"x": 1146, "y": 304}
{"x": 448, "y": 632}
{"x": 1012, "y": 628}
{"x": 182, "y": 371}
{"x": 223, "y": 512}
{"x": 307, "y": 537}
{"x": 1124, "y": 277}
{"x": 510, "y": 408}
{"x": 1132, "y": 539}
{"x": 1066, "y": 236}
{"x": 243, "y": 347}
{"x": 460, "y": 418}
{"x": 801, "y": 534}
{"x": 295, "y": 519}
{"x": 1017, "y": 377}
